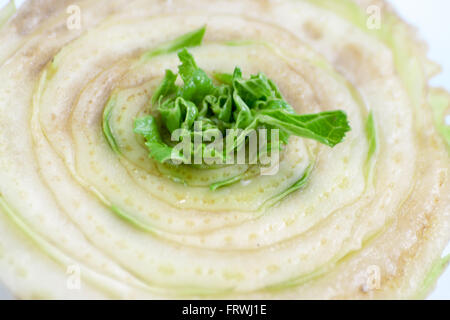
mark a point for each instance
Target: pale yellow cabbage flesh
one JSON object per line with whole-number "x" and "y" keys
{"x": 378, "y": 201}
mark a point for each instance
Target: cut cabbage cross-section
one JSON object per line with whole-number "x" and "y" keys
{"x": 77, "y": 187}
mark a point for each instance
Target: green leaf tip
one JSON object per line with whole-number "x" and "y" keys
{"x": 188, "y": 40}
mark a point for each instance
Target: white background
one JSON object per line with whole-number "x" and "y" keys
{"x": 431, "y": 17}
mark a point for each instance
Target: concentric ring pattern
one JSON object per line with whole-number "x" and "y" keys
{"x": 135, "y": 229}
